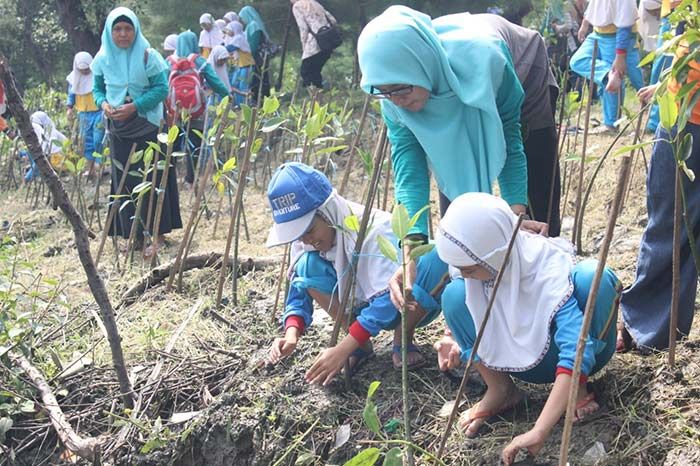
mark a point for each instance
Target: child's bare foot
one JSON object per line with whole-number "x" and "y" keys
{"x": 494, "y": 402}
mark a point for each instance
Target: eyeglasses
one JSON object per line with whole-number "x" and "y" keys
{"x": 399, "y": 91}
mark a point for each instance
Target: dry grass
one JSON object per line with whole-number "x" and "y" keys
{"x": 650, "y": 416}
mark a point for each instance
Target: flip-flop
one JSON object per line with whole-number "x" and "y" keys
{"x": 587, "y": 400}
{"x": 361, "y": 357}
{"x": 396, "y": 349}
{"x": 490, "y": 413}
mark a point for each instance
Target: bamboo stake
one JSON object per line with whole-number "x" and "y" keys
{"x": 161, "y": 200}
{"x": 280, "y": 279}
{"x": 477, "y": 342}
{"x": 355, "y": 144}
{"x": 369, "y": 200}
{"x": 555, "y": 165}
{"x": 582, "y": 166}
{"x": 96, "y": 200}
{"x": 115, "y": 205}
{"x": 236, "y": 205}
{"x": 588, "y": 313}
{"x": 152, "y": 196}
{"x": 676, "y": 278}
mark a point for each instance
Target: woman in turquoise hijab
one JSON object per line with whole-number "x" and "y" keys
{"x": 130, "y": 84}
{"x": 187, "y": 44}
{"x": 257, "y": 36}
{"x": 452, "y": 104}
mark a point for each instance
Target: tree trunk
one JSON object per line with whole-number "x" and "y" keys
{"x": 42, "y": 60}
{"x": 74, "y": 21}
{"x": 97, "y": 286}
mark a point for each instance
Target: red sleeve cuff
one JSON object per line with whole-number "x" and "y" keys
{"x": 583, "y": 378}
{"x": 359, "y": 333}
{"x": 621, "y": 51}
{"x": 295, "y": 321}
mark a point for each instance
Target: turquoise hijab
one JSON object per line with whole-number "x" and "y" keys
{"x": 459, "y": 128}
{"x": 187, "y": 44}
{"x": 126, "y": 71}
{"x": 253, "y": 21}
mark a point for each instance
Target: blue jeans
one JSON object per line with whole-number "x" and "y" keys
{"x": 581, "y": 65}
{"x": 661, "y": 63}
{"x": 460, "y": 321}
{"x": 92, "y": 131}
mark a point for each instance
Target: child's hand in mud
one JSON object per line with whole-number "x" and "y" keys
{"x": 282, "y": 347}
{"x": 326, "y": 366}
{"x": 448, "y": 353}
{"x": 532, "y": 441}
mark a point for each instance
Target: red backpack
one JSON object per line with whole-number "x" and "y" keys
{"x": 185, "y": 89}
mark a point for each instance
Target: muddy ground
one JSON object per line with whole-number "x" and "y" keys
{"x": 242, "y": 413}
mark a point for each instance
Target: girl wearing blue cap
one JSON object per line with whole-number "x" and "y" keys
{"x": 533, "y": 329}
{"x": 310, "y": 214}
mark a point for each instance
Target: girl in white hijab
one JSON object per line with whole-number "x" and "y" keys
{"x": 218, "y": 59}
{"x": 170, "y": 44}
{"x": 310, "y": 214}
{"x": 208, "y": 37}
{"x": 49, "y": 138}
{"x": 81, "y": 100}
{"x": 536, "y": 317}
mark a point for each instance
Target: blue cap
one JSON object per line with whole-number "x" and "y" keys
{"x": 295, "y": 192}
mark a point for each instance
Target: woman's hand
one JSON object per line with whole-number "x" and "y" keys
{"x": 107, "y": 109}
{"x": 123, "y": 112}
{"x": 646, "y": 93}
{"x": 532, "y": 441}
{"x": 533, "y": 226}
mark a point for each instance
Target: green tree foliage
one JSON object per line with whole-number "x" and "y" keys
{"x": 40, "y": 50}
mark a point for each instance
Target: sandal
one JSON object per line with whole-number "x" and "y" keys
{"x": 589, "y": 399}
{"x": 396, "y": 349}
{"x": 361, "y": 357}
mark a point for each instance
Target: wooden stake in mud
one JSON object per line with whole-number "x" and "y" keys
{"x": 583, "y": 149}
{"x": 555, "y": 165}
{"x": 588, "y": 313}
{"x": 236, "y": 205}
{"x": 350, "y": 275}
{"x": 115, "y": 204}
{"x": 470, "y": 362}
{"x": 280, "y": 279}
{"x": 285, "y": 45}
{"x": 161, "y": 197}
{"x": 353, "y": 147}
{"x": 676, "y": 280}
{"x": 80, "y": 231}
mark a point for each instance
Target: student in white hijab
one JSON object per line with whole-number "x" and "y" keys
{"x": 230, "y": 16}
{"x": 49, "y": 138}
{"x": 170, "y": 44}
{"x": 218, "y": 59}
{"x": 309, "y": 214}
{"x": 533, "y": 328}
{"x": 209, "y": 34}
{"x": 81, "y": 100}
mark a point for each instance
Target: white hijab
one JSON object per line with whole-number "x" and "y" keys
{"x": 231, "y": 16}
{"x": 47, "y": 133}
{"x": 170, "y": 43}
{"x": 373, "y": 269}
{"x": 212, "y": 38}
{"x": 81, "y": 84}
{"x": 217, "y": 54}
{"x": 239, "y": 39}
{"x": 621, "y": 13}
{"x": 536, "y": 281}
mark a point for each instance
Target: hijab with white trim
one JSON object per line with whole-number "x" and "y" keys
{"x": 621, "y": 13}
{"x": 476, "y": 229}
{"x": 218, "y": 53}
{"x": 373, "y": 269}
{"x": 80, "y": 83}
